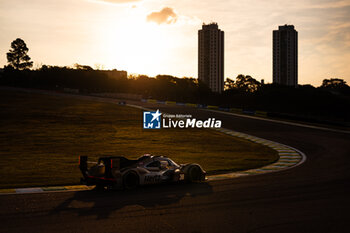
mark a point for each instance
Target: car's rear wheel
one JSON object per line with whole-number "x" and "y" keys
{"x": 131, "y": 180}
{"x": 194, "y": 174}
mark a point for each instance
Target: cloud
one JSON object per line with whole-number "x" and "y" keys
{"x": 119, "y": 1}
{"x": 166, "y": 15}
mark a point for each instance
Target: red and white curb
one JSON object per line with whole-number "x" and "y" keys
{"x": 289, "y": 157}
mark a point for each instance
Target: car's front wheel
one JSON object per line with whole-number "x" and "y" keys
{"x": 194, "y": 174}
{"x": 131, "y": 180}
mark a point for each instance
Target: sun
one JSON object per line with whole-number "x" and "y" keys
{"x": 135, "y": 45}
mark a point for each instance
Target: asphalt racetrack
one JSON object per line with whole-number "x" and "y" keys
{"x": 313, "y": 197}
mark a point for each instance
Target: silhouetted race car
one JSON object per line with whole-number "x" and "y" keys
{"x": 120, "y": 172}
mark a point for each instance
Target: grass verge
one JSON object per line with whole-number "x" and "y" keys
{"x": 41, "y": 137}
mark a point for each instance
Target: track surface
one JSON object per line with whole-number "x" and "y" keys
{"x": 313, "y": 197}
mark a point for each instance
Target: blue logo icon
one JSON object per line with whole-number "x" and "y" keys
{"x": 151, "y": 120}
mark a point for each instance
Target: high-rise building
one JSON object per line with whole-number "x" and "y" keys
{"x": 285, "y": 56}
{"x": 211, "y": 56}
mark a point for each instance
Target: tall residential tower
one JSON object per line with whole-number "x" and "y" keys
{"x": 211, "y": 56}
{"x": 285, "y": 56}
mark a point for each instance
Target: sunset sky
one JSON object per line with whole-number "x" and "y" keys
{"x": 160, "y": 36}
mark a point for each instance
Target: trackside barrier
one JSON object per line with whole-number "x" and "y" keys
{"x": 236, "y": 110}
{"x": 261, "y": 113}
{"x": 191, "y": 105}
{"x": 170, "y": 102}
{"x": 224, "y": 109}
{"x": 160, "y": 102}
{"x": 151, "y": 101}
{"x": 249, "y": 112}
{"x": 181, "y": 104}
{"x": 212, "y": 107}
{"x": 201, "y": 106}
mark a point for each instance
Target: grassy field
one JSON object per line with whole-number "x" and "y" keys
{"x": 41, "y": 137}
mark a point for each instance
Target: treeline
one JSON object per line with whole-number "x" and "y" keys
{"x": 88, "y": 80}
{"x": 305, "y": 103}
{"x": 83, "y": 78}
{"x": 331, "y": 100}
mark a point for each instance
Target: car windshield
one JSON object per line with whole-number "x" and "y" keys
{"x": 154, "y": 164}
{"x": 172, "y": 162}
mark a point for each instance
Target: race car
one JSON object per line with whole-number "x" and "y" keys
{"x": 116, "y": 172}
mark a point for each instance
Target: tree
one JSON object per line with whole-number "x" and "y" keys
{"x": 17, "y": 57}
{"x": 334, "y": 83}
{"x": 229, "y": 84}
{"x": 246, "y": 83}
{"x": 82, "y": 67}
